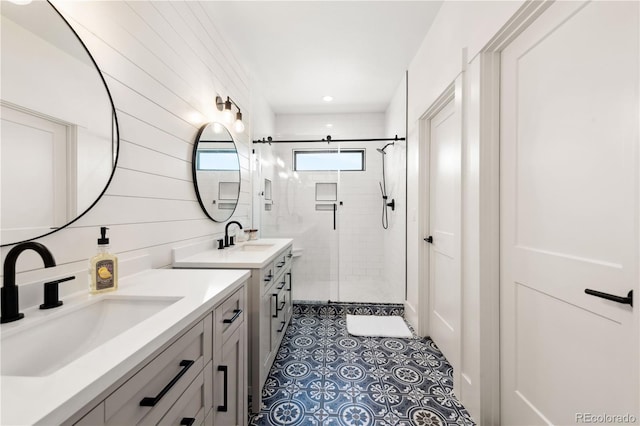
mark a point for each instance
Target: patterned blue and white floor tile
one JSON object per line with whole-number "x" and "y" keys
{"x": 324, "y": 376}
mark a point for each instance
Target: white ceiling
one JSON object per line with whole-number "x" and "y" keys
{"x": 299, "y": 51}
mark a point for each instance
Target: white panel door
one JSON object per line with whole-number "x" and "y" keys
{"x": 444, "y": 225}
{"x": 570, "y": 217}
{"x": 32, "y": 147}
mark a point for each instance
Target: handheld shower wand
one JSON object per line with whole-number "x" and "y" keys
{"x": 383, "y": 189}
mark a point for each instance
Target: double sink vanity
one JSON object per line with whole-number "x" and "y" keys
{"x": 168, "y": 347}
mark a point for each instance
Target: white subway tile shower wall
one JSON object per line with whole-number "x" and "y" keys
{"x": 347, "y": 264}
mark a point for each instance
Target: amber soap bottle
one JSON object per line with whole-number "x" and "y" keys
{"x": 103, "y": 267}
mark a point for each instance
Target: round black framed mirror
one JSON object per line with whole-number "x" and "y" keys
{"x": 216, "y": 171}
{"x": 59, "y": 136}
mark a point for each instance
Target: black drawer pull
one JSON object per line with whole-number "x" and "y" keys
{"x": 276, "y": 314}
{"x": 282, "y": 326}
{"x": 268, "y": 277}
{"x": 290, "y": 281}
{"x": 281, "y": 264}
{"x": 289, "y": 255}
{"x": 624, "y": 300}
{"x": 187, "y": 421}
{"x": 282, "y": 305}
{"x": 236, "y": 314}
{"x": 281, "y": 286}
{"x": 151, "y": 402}
{"x": 225, "y": 391}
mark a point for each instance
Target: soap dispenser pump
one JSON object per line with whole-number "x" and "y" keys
{"x": 103, "y": 267}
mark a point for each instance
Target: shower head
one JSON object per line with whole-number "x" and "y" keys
{"x": 381, "y": 150}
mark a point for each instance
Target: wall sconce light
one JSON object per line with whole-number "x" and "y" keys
{"x": 225, "y": 107}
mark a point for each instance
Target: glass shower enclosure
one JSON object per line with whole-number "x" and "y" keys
{"x": 327, "y": 198}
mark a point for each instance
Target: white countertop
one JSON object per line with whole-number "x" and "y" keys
{"x": 54, "y": 398}
{"x": 234, "y": 257}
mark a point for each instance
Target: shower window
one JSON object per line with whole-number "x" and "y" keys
{"x": 328, "y": 160}
{"x": 217, "y": 160}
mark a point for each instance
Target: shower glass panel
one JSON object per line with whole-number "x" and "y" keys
{"x": 295, "y": 213}
{"x": 341, "y": 235}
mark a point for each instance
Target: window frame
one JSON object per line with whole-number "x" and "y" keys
{"x": 361, "y": 151}
{"x": 216, "y": 151}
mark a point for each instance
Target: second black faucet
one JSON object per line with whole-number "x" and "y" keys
{"x": 226, "y": 231}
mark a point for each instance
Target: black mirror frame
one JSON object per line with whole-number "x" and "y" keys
{"x": 194, "y": 175}
{"x": 115, "y": 136}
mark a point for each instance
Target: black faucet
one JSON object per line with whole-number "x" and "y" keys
{"x": 9, "y": 291}
{"x": 226, "y": 231}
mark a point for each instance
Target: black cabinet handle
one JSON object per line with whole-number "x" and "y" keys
{"x": 151, "y": 402}
{"x": 281, "y": 286}
{"x": 187, "y": 421}
{"x": 290, "y": 281}
{"x": 281, "y": 327}
{"x": 624, "y": 300}
{"x": 290, "y": 255}
{"x": 276, "y": 314}
{"x": 282, "y": 305}
{"x": 281, "y": 264}
{"x": 429, "y": 239}
{"x": 268, "y": 277}
{"x": 225, "y": 391}
{"x": 335, "y": 207}
{"x": 236, "y": 314}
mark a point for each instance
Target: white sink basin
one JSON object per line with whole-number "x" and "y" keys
{"x": 255, "y": 247}
{"x": 41, "y": 348}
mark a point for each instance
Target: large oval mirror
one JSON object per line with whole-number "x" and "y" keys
{"x": 216, "y": 171}
{"x": 59, "y": 131}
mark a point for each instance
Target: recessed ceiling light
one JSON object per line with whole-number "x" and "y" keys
{"x": 329, "y": 125}
{"x": 327, "y": 98}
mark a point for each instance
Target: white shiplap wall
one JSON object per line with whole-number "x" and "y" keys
{"x": 164, "y": 63}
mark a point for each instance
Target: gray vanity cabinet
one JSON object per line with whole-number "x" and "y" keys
{"x": 229, "y": 363}
{"x": 269, "y": 304}
{"x": 271, "y": 294}
{"x": 208, "y": 389}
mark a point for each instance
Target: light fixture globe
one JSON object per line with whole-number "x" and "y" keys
{"x": 238, "y": 126}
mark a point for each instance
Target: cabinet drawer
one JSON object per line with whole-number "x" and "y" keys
{"x": 94, "y": 417}
{"x": 229, "y": 315}
{"x": 278, "y": 321}
{"x": 191, "y": 407}
{"x": 148, "y": 395}
{"x": 280, "y": 263}
{"x": 288, "y": 255}
{"x": 267, "y": 276}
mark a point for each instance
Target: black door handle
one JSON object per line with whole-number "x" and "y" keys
{"x": 225, "y": 391}
{"x": 151, "y": 402}
{"x": 624, "y": 300}
{"x": 290, "y": 281}
{"x": 187, "y": 421}
{"x": 429, "y": 239}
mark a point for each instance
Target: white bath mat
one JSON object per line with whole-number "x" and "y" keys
{"x": 377, "y": 326}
